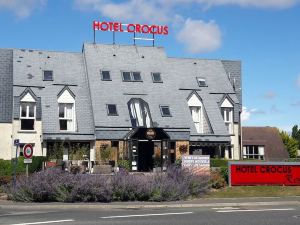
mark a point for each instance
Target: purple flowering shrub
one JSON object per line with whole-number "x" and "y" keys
{"x": 59, "y": 186}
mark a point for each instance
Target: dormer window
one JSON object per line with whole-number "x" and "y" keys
{"x": 139, "y": 113}
{"x": 201, "y": 82}
{"x": 66, "y": 111}
{"x": 105, "y": 75}
{"x": 196, "y": 109}
{"x": 227, "y": 113}
{"x": 27, "y": 112}
{"x": 48, "y": 75}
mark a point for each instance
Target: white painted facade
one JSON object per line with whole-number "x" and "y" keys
{"x": 6, "y": 142}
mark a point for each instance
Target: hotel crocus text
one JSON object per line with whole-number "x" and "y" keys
{"x": 130, "y": 28}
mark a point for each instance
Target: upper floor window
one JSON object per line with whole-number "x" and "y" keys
{"x": 156, "y": 77}
{"x": 201, "y": 82}
{"x": 48, "y": 75}
{"x": 112, "y": 110}
{"x": 105, "y": 75}
{"x": 131, "y": 76}
{"x": 165, "y": 110}
{"x": 27, "y": 115}
{"x": 66, "y": 111}
{"x": 66, "y": 116}
{"x": 196, "y": 109}
{"x": 227, "y": 113}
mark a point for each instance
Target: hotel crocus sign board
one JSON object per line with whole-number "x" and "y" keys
{"x": 130, "y": 28}
{"x": 264, "y": 173}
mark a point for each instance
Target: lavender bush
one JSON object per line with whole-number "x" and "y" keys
{"x": 59, "y": 186}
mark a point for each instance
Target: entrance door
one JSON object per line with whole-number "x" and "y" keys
{"x": 145, "y": 153}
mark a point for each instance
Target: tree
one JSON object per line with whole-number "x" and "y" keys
{"x": 290, "y": 143}
{"x": 296, "y": 134}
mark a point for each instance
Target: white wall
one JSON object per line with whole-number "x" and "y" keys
{"x": 6, "y": 141}
{"x": 29, "y": 136}
{"x": 235, "y": 142}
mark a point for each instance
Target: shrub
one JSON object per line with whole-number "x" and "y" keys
{"x": 56, "y": 185}
{"x": 217, "y": 180}
{"x": 125, "y": 164}
{"x": 218, "y": 163}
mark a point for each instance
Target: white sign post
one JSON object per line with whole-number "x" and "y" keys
{"x": 27, "y": 152}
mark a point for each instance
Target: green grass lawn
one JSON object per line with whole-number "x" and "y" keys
{"x": 255, "y": 191}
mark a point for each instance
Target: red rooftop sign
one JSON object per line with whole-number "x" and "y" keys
{"x": 264, "y": 173}
{"x": 130, "y": 28}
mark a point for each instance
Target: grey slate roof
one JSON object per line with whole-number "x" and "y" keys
{"x": 6, "y": 82}
{"x": 179, "y": 80}
{"x": 68, "y": 70}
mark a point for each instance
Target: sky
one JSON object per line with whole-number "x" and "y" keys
{"x": 263, "y": 34}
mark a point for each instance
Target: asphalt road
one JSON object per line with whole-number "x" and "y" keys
{"x": 256, "y": 215}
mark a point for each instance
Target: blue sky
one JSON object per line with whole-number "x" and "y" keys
{"x": 263, "y": 34}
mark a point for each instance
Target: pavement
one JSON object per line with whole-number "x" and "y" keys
{"x": 194, "y": 203}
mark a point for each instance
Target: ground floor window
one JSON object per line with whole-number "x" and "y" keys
{"x": 253, "y": 152}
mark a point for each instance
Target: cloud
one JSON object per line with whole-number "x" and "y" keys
{"x": 279, "y": 4}
{"x": 274, "y": 109}
{"x": 247, "y": 113}
{"x": 22, "y": 8}
{"x": 199, "y": 37}
{"x": 298, "y": 81}
{"x": 270, "y": 95}
{"x": 296, "y": 104}
{"x": 245, "y": 116}
{"x": 132, "y": 10}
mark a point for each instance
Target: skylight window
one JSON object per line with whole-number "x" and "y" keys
{"x": 48, "y": 75}
{"x": 201, "y": 82}
{"x": 131, "y": 76}
{"x": 156, "y": 77}
{"x": 112, "y": 110}
{"x": 165, "y": 111}
{"x": 105, "y": 75}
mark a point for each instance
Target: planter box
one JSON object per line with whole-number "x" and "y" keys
{"x": 102, "y": 169}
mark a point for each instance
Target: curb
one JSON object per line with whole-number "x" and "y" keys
{"x": 38, "y": 206}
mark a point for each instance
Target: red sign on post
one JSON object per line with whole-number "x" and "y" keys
{"x": 28, "y": 151}
{"x": 264, "y": 173}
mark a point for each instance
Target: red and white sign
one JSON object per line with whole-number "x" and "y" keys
{"x": 28, "y": 151}
{"x": 130, "y": 28}
{"x": 264, "y": 173}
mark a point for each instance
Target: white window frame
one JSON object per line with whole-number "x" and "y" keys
{"x": 194, "y": 101}
{"x": 131, "y": 76}
{"x": 248, "y": 152}
{"x": 199, "y": 122}
{"x": 72, "y": 128}
{"x": 227, "y": 106}
{"x": 28, "y": 117}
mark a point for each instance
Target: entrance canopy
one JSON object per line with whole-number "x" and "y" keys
{"x": 143, "y": 133}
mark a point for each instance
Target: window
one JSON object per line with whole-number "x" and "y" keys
{"x": 253, "y": 152}
{"x": 66, "y": 116}
{"x": 136, "y": 76}
{"x": 27, "y": 115}
{"x": 139, "y": 113}
{"x": 196, "y": 116}
{"x": 196, "y": 109}
{"x": 131, "y": 76}
{"x": 156, "y": 77}
{"x": 105, "y": 75}
{"x": 48, "y": 75}
{"x": 201, "y": 82}
{"x": 227, "y": 114}
{"x": 165, "y": 111}
{"x": 112, "y": 110}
